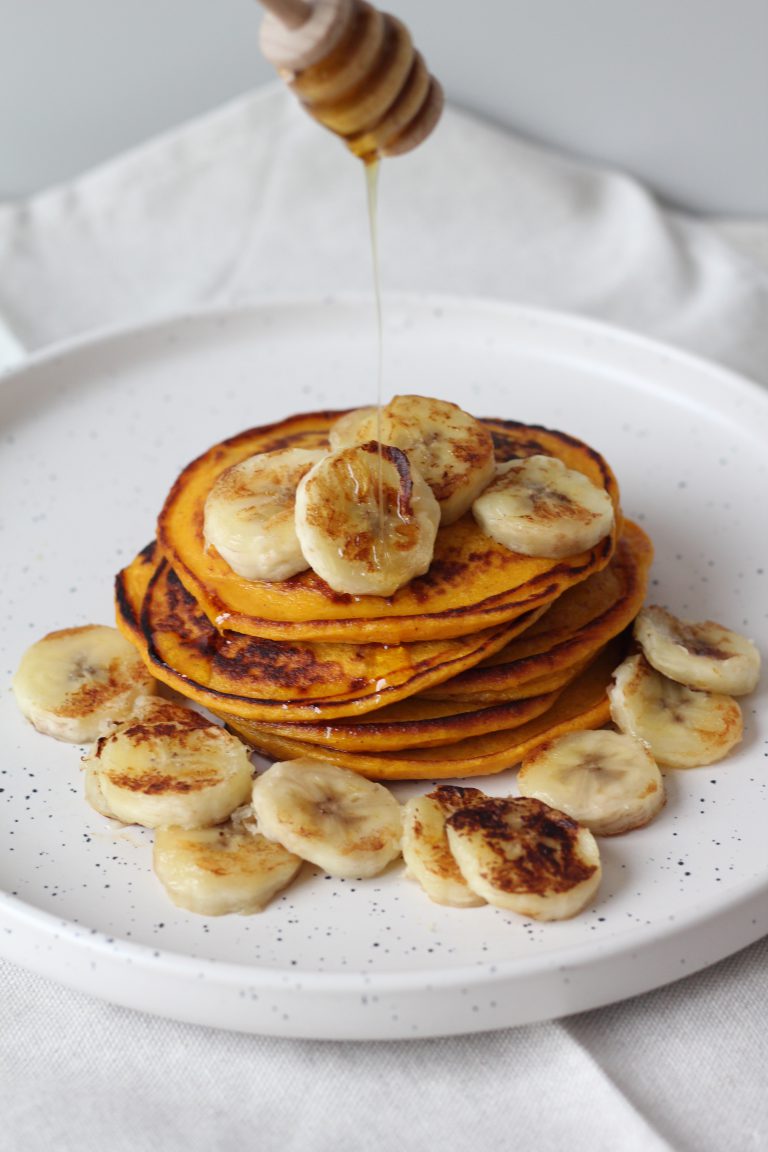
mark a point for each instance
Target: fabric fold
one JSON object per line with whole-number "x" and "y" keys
{"x": 254, "y": 200}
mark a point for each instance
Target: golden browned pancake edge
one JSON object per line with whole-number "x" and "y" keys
{"x": 570, "y": 632}
{"x": 473, "y": 583}
{"x": 584, "y": 704}
{"x": 268, "y": 680}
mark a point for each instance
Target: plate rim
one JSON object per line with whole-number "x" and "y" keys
{"x": 105, "y": 334}
{"x": 743, "y": 895}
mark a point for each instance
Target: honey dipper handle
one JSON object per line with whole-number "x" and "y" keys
{"x": 292, "y": 48}
{"x": 291, "y": 13}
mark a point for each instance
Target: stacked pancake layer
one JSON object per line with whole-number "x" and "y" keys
{"x": 460, "y": 672}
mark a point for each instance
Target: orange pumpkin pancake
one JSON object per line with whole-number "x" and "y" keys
{"x": 472, "y": 584}
{"x": 267, "y": 680}
{"x": 570, "y": 633}
{"x": 416, "y": 723}
{"x": 584, "y": 704}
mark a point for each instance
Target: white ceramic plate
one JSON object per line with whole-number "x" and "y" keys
{"x": 93, "y": 435}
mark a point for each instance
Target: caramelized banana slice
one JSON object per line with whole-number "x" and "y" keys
{"x": 683, "y": 727}
{"x": 539, "y": 507}
{"x": 343, "y": 823}
{"x": 168, "y": 767}
{"x": 451, "y": 449}
{"x": 700, "y": 654}
{"x": 426, "y": 852}
{"x": 230, "y": 868}
{"x": 524, "y": 856}
{"x": 249, "y": 514}
{"x": 366, "y": 520}
{"x": 607, "y": 781}
{"x": 77, "y": 684}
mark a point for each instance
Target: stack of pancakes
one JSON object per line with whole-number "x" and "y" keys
{"x": 461, "y": 672}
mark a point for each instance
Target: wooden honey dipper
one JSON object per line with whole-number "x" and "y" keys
{"x": 355, "y": 70}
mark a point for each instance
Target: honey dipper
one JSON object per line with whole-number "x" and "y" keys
{"x": 355, "y": 70}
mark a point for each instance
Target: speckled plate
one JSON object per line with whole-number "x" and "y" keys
{"x": 93, "y": 435}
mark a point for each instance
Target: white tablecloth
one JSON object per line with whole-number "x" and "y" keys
{"x": 253, "y": 200}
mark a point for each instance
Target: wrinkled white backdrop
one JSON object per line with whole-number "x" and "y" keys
{"x": 672, "y": 93}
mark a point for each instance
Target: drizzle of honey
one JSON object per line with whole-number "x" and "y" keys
{"x": 371, "y": 168}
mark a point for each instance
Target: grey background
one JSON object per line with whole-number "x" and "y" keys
{"x": 673, "y": 91}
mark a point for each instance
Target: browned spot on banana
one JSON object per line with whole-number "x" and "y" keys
{"x": 158, "y": 783}
{"x": 451, "y": 797}
{"x": 96, "y": 692}
{"x": 534, "y": 846}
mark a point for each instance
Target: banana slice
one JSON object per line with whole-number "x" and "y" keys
{"x": 249, "y": 514}
{"x": 168, "y": 766}
{"x": 343, "y": 823}
{"x": 230, "y": 868}
{"x": 78, "y": 683}
{"x": 607, "y": 781}
{"x": 524, "y": 856}
{"x": 426, "y": 852}
{"x": 366, "y": 521}
{"x": 356, "y": 427}
{"x": 700, "y": 654}
{"x": 451, "y": 449}
{"x": 540, "y": 507}
{"x": 683, "y": 727}
{"x": 94, "y": 794}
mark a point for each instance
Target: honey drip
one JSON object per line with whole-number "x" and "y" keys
{"x": 372, "y": 189}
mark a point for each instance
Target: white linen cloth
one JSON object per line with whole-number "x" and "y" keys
{"x": 256, "y": 199}
{"x": 253, "y": 200}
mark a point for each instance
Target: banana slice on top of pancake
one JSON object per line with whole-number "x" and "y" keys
{"x": 249, "y": 514}
{"x": 539, "y": 507}
{"x": 700, "y": 654}
{"x": 366, "y": 520}
{"x": 451, "y": 449}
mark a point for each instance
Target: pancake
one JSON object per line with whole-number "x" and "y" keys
{"x": 416, "y": 723}
{"x": 266, "y": 680}
{"x": 131, "y": 585}
{"x": 570, "y": 632}
{"x": 549, "y": 682}
{"x": 584, "y": 704}
{"x": 472, "y": 584}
